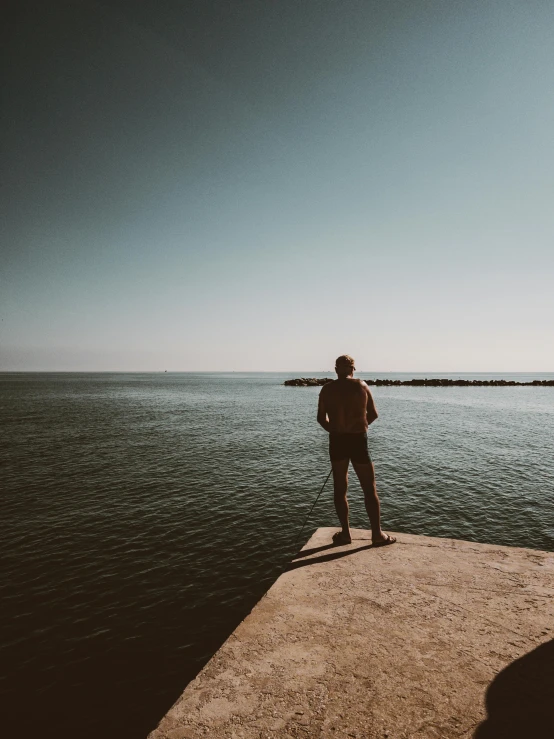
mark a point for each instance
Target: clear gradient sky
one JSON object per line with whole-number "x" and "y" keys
{"x": 265, "y": 185}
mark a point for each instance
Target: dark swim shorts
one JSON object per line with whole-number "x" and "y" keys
{"x": 349, "y": 446}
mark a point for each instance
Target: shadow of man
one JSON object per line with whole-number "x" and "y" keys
{"x": 520, "y": 699}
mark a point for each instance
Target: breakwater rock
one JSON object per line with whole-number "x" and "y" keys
{"x": 315, "y": 382}
{"x": 307, "y": 382}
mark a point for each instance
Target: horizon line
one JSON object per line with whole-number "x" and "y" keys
{"x": 259, "y": 372}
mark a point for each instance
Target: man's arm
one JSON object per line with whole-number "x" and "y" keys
{"x": 371, "y": 411}
{"x": 321, "y": 412}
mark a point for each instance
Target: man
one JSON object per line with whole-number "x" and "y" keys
{"x": 345, "y": 410}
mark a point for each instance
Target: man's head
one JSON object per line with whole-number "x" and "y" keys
{"x": 344, "y": 365}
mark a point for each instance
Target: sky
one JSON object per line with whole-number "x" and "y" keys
{"x": 261, "y": 185}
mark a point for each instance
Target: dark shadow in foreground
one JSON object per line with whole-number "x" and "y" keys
{"x": 327, "y": 557}
{"x": 520, "y": 699}
{"x": 308, "y": 552}
{"x": 314, "y": 550}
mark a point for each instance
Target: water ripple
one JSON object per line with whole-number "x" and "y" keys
{"x": 144, "y": 515}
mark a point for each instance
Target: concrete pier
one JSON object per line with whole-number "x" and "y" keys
{"x": 425, "y": 639}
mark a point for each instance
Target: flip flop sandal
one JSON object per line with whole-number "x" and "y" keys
{"x": 340, "y": 538}
{"x": 385, "y": 542}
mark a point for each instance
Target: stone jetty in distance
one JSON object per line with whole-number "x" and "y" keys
{"x": 316, "y": 382}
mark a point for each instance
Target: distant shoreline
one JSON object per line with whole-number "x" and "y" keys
{"x": 316, "y": 382}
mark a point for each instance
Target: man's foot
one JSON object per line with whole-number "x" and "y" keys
{"x": 384, "y": 540}
{"x": 341, "y": 538}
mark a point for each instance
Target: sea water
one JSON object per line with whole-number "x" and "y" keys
{"x": 143, "y": 515}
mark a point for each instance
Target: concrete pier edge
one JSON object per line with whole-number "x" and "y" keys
{"x": 428, "y": 638}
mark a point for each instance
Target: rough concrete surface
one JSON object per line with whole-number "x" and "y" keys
{"x": 428, "y": 637}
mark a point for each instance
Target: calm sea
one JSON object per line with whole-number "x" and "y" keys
{"x": 143, "y": 515}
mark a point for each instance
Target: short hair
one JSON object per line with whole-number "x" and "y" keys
{"x": 345, "y": 360}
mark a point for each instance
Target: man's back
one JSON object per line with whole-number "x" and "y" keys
{"x": 346, "y": 402}
{"x": 345, "y": 410}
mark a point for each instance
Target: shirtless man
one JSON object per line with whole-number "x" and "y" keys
{"x": 345, "y": 410}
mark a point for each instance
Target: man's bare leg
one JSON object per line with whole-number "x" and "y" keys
{"x": 366, "y": 476}
{"x": 340, "y": 483}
